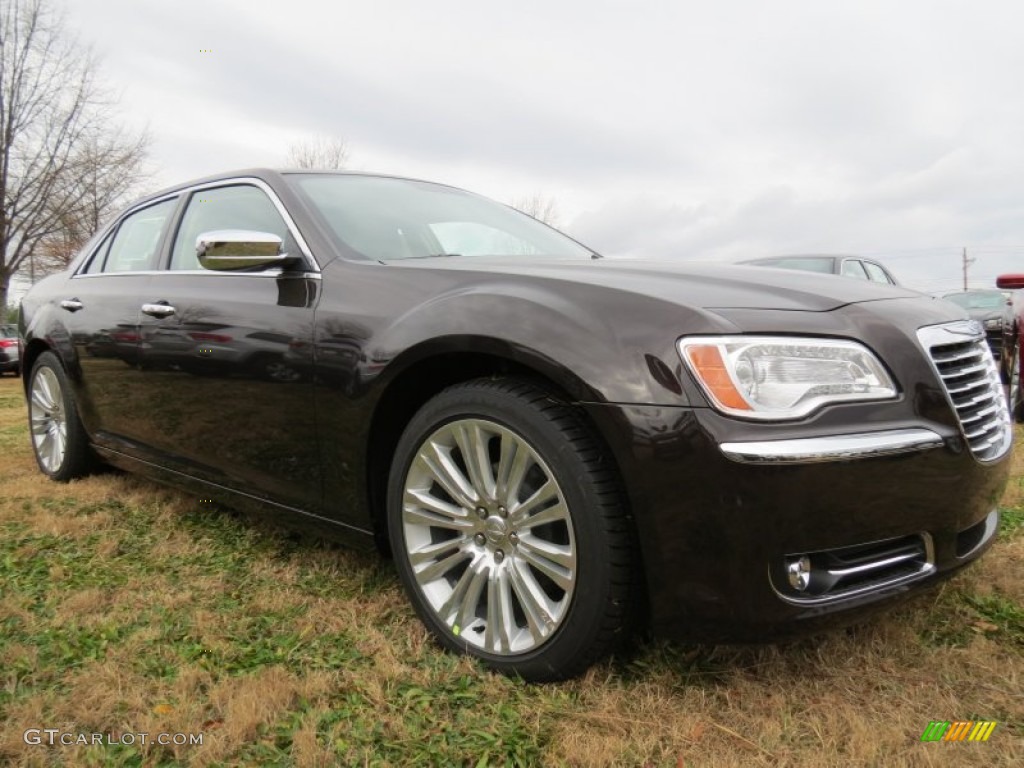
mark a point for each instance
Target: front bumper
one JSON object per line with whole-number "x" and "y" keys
{"x": 719, "y": 519}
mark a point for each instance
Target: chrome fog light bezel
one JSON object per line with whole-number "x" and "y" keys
{"x": 798, "y": 573}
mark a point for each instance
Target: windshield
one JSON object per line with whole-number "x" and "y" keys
{"x": 391, "y": 219}
{"x": 813, "y": 264}
{"x": 978, "y": 299}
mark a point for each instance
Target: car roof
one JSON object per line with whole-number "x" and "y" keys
{"x": 271, "y": 175}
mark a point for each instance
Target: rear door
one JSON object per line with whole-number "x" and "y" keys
{"x": 100, "y": 313}
{"x": 226, "y": 402}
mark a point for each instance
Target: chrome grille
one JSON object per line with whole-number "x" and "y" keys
{"x": 971, "y": 380}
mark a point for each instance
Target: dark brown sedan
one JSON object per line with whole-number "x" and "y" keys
{"x": 556, "y": 448}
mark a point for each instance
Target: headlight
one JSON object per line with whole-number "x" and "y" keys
{"x": 778, "y": 377}
{"x": 994, "y": 322}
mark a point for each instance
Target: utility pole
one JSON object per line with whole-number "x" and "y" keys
{"x": 967, "y": 263}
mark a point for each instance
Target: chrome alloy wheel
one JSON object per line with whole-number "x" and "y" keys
{"x": 49, "y": 421}
{"x": 489, "y": 537}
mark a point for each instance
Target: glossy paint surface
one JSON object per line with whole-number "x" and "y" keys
{"x": 288, "y": 389}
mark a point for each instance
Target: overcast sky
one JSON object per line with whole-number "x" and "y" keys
{"x": 715, "y": 130}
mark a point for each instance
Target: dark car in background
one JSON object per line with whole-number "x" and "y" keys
{"x": 1014, "y": 344}
{"x": 856, "y": 267}
{"x": 556, "y": 448}
{"x": 10, "y": 354}
{"x": 994, "y": 310}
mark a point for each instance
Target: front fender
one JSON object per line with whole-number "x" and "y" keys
{"x": 596, "y": 349}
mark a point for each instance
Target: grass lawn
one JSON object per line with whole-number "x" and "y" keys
{"x": 128, "y": 608}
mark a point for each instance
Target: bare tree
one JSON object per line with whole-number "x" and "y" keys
{"x": 320, "y": 152}
{"x": 107, "y": 170}
{"x": 539, "y": 206}
{"x": 54, "y": 124}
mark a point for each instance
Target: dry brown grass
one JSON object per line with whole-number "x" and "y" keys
{"x": 133, "y": 609}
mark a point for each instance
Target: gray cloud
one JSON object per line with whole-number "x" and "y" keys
{"x": 678, "y": 130}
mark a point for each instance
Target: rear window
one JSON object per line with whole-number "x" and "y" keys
{"x": 134, "y": 245}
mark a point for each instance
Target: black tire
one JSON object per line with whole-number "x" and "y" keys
{"x": 51, "y": 402}
{"x": 584, "y": 614}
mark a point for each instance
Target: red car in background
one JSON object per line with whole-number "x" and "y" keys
{"x": 1014, "y": 336}
{"x": 10, "y": 353}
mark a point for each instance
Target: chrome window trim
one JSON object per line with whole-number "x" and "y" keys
{"x": 252, "y": 181}
{"x": 812, "y": 450}
{"x": 83, "y": 261}
{"x": 270, "y": 273}
{"x": 188, "y": 192}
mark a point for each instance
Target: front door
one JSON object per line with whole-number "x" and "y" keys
{"x": 229, "y": 400}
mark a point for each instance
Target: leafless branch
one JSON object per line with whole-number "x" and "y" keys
{"x": 62, "y": 168}
{"x": 538, "y": 205}
{"x": 319, "y": 152}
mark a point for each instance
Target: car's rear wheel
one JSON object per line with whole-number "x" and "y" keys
{"x": 59, "y": 441}
{"x": 509, "y": 530}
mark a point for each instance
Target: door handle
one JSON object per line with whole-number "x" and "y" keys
{"x": 158, "y": 310}
{"x": 71, "y": 305}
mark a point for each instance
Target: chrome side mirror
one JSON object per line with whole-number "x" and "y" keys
{"x": 227, "y": 250}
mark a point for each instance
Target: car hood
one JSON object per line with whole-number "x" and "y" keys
{"x": 696, "y": 284}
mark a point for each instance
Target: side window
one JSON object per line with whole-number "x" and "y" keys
{"x": 853, "y": 268}
{"x": 136, "y": 243}
{"x": 237, "y": 207}
{"x": 96, "y": 262}
{"x": 876, "y": 273}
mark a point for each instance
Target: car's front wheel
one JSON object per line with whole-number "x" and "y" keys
{"x": 509, "y": 529}
{"x": 59, "y": 440}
